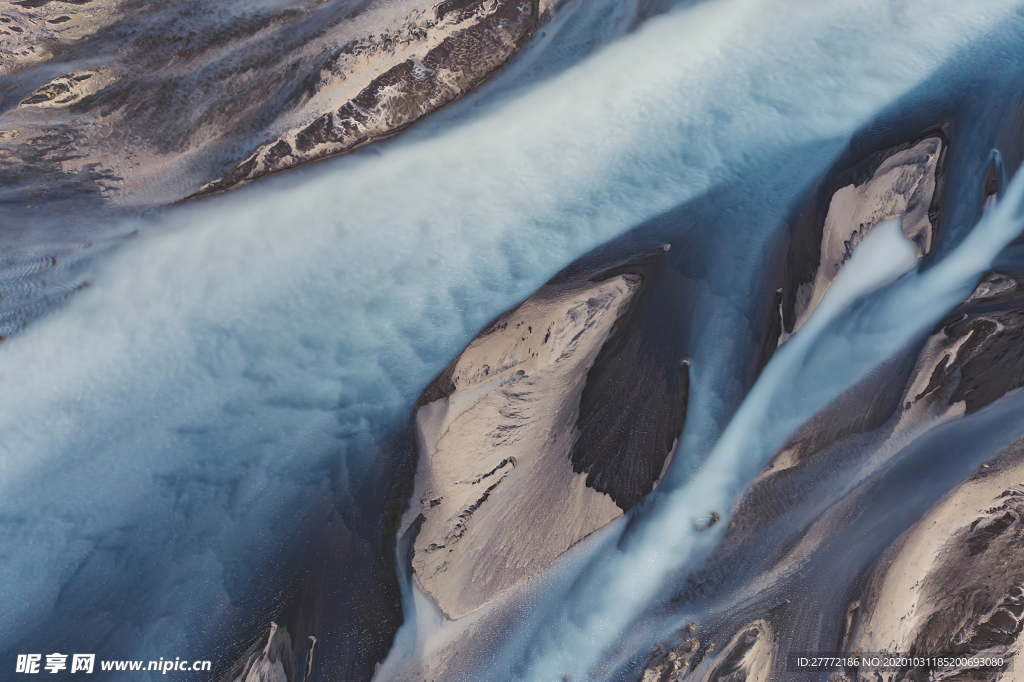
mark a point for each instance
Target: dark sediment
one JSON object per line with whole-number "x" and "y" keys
{"x": 633, "y": 406}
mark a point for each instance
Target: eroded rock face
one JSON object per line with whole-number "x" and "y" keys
{"x": 499, "y": 486}
{"x": 970, "y": 360}
{"x": 272, "y": 659}
{"x": 498, "y": 447}
{"x": 955, "y": 582}
{"x": 443, "y": 57}
{"x": 898, "y": 182}
{"x": 34, "y": 31}
{"x": 747, "y": 657}
{"x": 140, "y": 104}
{"x": 109, "y": 107}
{"x": 981, "y": 359}
{"x": 813, "y": 500}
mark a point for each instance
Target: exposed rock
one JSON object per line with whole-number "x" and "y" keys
{"x": 35, "y": 31}
{"x": 748, "y": 657}
{"x": 199, "y": 96}
{"x": 66, "y": 90}
{"x": 269, "y": 660}
{"x": 898, "y": 182}
{"x": 499, "y": 435}
{"x": 822, "y": 482}
{"x": 498, "y": 448}
{"x": 954, "y": 584}
{"x": 981, "y": 358}
{"x": 444, "y": 57}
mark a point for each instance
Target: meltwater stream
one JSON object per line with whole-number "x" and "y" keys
{"x": 865, "y": 318}
{"x": 169, "y": 438}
